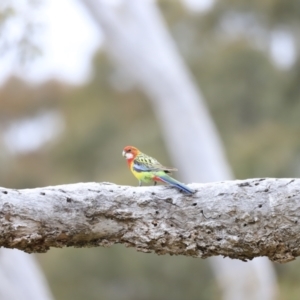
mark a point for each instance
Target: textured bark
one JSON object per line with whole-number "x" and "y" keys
{"x": 137, "y": 39}
{"x": 238, "y": 219}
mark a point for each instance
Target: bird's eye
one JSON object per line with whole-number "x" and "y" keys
{"x": 129, "y": 150}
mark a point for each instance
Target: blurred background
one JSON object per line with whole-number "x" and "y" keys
{"x": 67, "y": 111}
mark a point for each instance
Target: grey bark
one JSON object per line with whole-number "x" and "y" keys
{"x": 236, "y": 219}
{"x": 138, "y": 41}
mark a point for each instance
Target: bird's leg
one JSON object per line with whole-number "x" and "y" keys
{"x": 140, "y": 183}
{"x": 155, "y": 182}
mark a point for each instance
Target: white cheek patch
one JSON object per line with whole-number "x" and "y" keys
{"x": 129, "y": 155}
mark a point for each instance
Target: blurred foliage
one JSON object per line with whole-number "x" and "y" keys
{"x": 121, "y": 273}
{"x": 19, "y": 18}
{"x": 254, "y": 103}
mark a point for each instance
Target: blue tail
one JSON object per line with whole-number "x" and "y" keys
{"x": 174, "y": 182}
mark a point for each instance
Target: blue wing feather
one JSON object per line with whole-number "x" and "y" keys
{"x": 144, "y": 163}
{"x": 178, "y": 184}
{"x": 138, "y": 167}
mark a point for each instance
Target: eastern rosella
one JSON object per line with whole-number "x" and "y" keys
{"x": 148, "y": 169}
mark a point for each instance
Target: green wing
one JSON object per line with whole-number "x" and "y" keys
{"x": 145, "y": 163}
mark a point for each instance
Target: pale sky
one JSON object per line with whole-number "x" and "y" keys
{"x": 68, "y": 39}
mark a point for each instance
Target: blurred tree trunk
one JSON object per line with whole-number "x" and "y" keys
{"x": 20, "y": 277}
{"x": 138, "y": 41}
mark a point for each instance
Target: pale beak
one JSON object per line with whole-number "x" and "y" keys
{"x": 123, "y": 153}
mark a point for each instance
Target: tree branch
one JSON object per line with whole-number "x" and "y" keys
{"x": 238, "y": 219}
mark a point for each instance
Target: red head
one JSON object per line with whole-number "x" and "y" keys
{"x": 130, "y": 152}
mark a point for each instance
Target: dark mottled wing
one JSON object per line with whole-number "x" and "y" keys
{"x": 145, "y": 163}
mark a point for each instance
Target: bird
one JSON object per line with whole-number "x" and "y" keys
{"x": 147, "y": 169}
